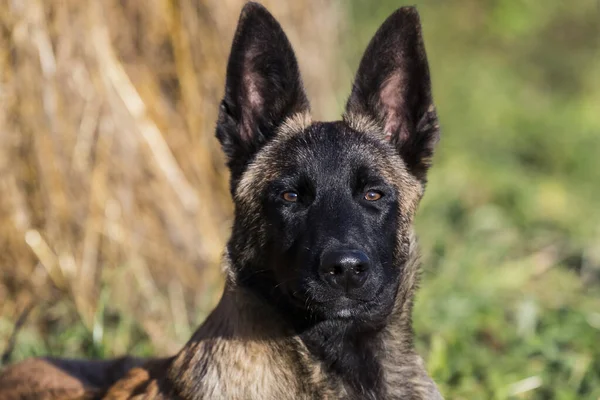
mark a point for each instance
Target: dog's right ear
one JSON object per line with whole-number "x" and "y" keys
{"x": 263, "y": 87}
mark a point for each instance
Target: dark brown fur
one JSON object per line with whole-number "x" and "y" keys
{"x": 247, "y": 348}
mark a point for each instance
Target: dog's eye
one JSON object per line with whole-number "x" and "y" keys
{"x": 373, "y": 195}
{"x": 292, "y": 197}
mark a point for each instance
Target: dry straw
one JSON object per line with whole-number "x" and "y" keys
{"x": 111, "y": 180}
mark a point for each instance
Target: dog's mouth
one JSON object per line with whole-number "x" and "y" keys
{"x": 337, "y": 305}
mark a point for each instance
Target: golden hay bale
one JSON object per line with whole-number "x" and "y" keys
{"x": 110, "y": 176}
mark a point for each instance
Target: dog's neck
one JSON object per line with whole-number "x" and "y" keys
{"x": 321, "y": 357}
{"x": 244, "y": 338}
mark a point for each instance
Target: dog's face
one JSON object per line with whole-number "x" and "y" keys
{"x": 323, "y": 210}
{"x": 330, "y": 205}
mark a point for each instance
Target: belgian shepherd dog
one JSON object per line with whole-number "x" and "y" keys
{"x": 322, "y": 263}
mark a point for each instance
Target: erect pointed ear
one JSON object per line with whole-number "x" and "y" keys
{"x": 263, "y": 87}
{"x": 392, "y": 88}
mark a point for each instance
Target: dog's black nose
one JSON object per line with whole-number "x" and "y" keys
{"x": 345, "y": 269}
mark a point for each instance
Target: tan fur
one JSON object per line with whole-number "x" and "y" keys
{"x": 38, "y": 378}
{"x": 48, "y": 378}
{"x": 362, "y": 123}
{"x": 295, "y": 124}
{"x": 251, "y": 348}
{"x": 139, "y": 383}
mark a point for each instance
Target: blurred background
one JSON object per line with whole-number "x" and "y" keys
{"x": 114, "y": 206}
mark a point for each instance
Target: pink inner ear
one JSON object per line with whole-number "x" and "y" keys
{"x": 393, "y": 105}
{"x": 254, "y": 104}
{"x": 255, "y": 100}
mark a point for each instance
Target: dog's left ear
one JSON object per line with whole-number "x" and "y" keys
{"x": 392, "y": 88}
{"x": 263, "y": 87}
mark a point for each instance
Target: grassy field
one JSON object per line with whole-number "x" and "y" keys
{"x": 509, "y": 226}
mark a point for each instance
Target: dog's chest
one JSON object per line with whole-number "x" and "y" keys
{"x": 246, "y": 369}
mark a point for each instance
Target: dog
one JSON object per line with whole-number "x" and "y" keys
{"x": 322, "y": 264}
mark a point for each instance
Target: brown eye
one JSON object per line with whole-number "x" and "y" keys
{"x": 372, "y": 195}
{"x": 290, "y": 196}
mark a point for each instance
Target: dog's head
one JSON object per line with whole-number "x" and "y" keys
{"x": 323, "y": 210}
